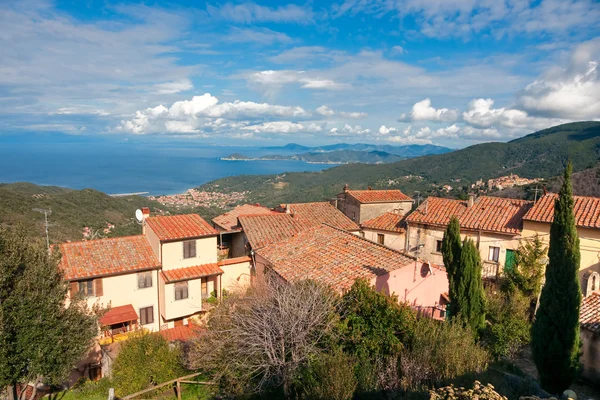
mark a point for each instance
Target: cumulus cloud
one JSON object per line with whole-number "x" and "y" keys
{"x": 284, "y": 127}
{"x": 348, "y": 131}
{"x": 384, "y": 130}
{"x": 325, "y": 111}
{"x": 423, "y": 111}
{"x": 204, "y": 111}
{"x": 328, "y": 112}
{"x": 275, "y": 80}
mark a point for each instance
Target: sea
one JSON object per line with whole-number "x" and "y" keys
{"x": 117, "y": 165}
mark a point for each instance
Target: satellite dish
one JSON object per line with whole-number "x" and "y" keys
{"x": 139, "y": 215}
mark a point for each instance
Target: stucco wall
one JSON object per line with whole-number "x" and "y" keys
{"x": 350, "y": 207}
{"x": 185, "y": 307}
{"x": 590, "y": 357}
{"x": 235, "y": 276}
{"x": 370, "y": 211}
{"x": 123, "y": 289}
{"x": 153, "y": 240}
{"x": 392, "y": 240}
{"x": 417, "y": 286}
{"x": 589, "y": 245}
{"x": 172, "y": 253}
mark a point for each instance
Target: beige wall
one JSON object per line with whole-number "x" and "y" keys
{"x": 172, "y": 309}
{"x": 393, "y": 240}
{"x": 172, "y": 253}
{"x": 236, "y": 276}
{"x": 370, "y": 211}
{"x": 428, "y": 236}
{"x": 123, "y": 289}
{"x": 589, "y": 245}
{"x": 590, "y": 357}
{"x": 152, "y": 239}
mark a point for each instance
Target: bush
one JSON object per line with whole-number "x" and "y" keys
{"x": 478, "y": 392}
{"x": 145, "y": 360}
{"x": 329, "y": 376}
{"x": 440, "y": 351}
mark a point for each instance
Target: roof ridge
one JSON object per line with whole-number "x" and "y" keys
{"x": 102, "y": 239}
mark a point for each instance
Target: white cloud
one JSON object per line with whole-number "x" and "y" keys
{"x": 384, "y": 130}
{"x": 349, "y": 131}
{"x": 353, "y": 115}
{"x": 325, "y": 111}
{"x": 423, "y": 111}
{"x": 328, "y": 112}
{"x": 248, "y": 13}
{"x": 205, "y": 112}
{"x": 262, "y": 36}
{"x": 271, "y": 81}
{"x": 173, "y": 87}
{"x": 284, "y": 127}
{"x": 397, "y": 51}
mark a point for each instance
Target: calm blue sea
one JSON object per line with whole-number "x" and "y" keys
{"x": 116, "y": 165}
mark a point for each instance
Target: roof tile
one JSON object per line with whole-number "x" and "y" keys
{"x": 229, "y": 220}
{"x": 180, "y": 333}
{"x": 391, "y": 222}
{"x": 117, "y": 315}
{"x": 182, "y": 226}
{"x": 194, "y": 272}
{"x": 589, "y": 315}
{"x": 311, "y": 214}
{"x": 586, "y": 209}
{"x": 378, "y": 196}
{"x": 92, "y": 258}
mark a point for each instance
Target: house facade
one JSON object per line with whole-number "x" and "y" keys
{"x": 587, "y": 220}
{"x": 494, "y": 224}
{"x": 387, "y": 229}
{"x": 363, "y": 205}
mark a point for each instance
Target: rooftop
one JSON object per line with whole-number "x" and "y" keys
{"x": 378, "y": 196}
{"x": 587, "y": 210}
{"x": 331, "y": 256}
{"x": 491, "y": 214}
{"x": 95, "y": 258}
{"x": 390, "y": 222}
{"x": 589, "y": 315}
{"x": 118, "y": 315}
{"x": 229, "y": 220}
{"x": 311, "y": 214}
{"x": 180, "y": 333}
{"x": 182, "y": 226}
{"x": 262, "y": 230}
{"x": 194, "y": 272}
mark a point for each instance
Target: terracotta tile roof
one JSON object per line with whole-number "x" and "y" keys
{"x": 490, "y": 214}
{"x": 334, "y": 257}
{"x": 390, "y": 222}
{"x": 236, "y": 260}
{"x": 378, "y": 196}
{"x": 117, "y": 315}
{"x": 589, "y": 315}
{"x": 587, "y": 210}
{"x": 311, "y": 214}
{"x": 180, "y": 333}
{"x": 262, "y": 230}
{"x": 93, "y": 258}
{"x": 180, "y": 226}
{"x": 229, "y": 220}
{"x": 195, "y": 272}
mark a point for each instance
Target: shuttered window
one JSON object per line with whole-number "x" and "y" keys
{"x": 189, "y": 249}
{"x": 181, "y": 290}
{"x": 494, "y": 254}
{"x": 87, "y": 288}
{"x": 98, "y": 287}
{"x": 145, "y": 280}
{"x": 147, "y": 315}
{"x": 380, "y": 238}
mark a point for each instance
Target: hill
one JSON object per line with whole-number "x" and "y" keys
{"x": 329, "y": 157}
{"x": 541, "y": 154}
{"x": 408, "y": 151}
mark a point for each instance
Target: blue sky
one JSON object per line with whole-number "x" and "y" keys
{"x": 448, "y": 72}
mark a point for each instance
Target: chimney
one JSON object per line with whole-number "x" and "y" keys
{"x": 345, "y": 188}
{"x": 471, "y": 200}
{"x": 369, "y": 188}
{"x": 145, "y": 212}
{"x": 287, "y": 209}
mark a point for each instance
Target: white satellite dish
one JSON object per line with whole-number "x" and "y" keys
{"x": 139, "y": 215}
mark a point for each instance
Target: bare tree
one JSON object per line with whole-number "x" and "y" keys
{"x": 260, "y": 338}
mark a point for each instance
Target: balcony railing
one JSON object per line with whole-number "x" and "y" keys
{"x": 115, "y": 336}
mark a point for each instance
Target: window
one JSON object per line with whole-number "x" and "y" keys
{"x": 145, "y": 280}
{"x": 353, "y": 215}
{"x": 204, "y": 288}
{"x": 147, "y": 315}
{"x": 438, "y": 246}
{"x": 494, "y": 254}
{"x": 362, "y": 234}
{"x": 380, "y": 238}
{"x": 87, "y": 288}
{"x": 181, "y": 290}
{"x": 189, "y": 249}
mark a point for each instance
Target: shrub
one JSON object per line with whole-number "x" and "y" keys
{"x": 479, "y": 391}
{"x": 329, "y": 376}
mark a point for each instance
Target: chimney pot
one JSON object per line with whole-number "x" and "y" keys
{"x": 145, "y": 212}
{"x": 471, "y": 200}
{"x": 345, "y": 188}
{"x": 287, "y": 209}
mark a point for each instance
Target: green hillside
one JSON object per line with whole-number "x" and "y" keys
{"x": 542, "y": 154}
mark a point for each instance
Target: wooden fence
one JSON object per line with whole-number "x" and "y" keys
{"x": 177, "y": 382}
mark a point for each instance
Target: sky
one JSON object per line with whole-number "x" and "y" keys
{"x": 444, "y": 72}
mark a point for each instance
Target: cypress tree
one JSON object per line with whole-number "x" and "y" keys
{"x": 555, "y": 332}
{"x": 451, "y": 249}
{"x": 469, "y": 295}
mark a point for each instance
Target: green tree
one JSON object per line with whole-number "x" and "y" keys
{"x": 451, "y": 250}
{"x": 469, "y": 297}
{"x": 145, "y": 359}
{"x": 528, "y": 269}
{"x": 555, "y": 332}
{"x": 41, "y": 337}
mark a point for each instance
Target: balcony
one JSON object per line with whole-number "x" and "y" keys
{"x": 112, "y": 336}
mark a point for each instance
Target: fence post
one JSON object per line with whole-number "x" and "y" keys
{"x": 111, "y": 394}
{"x": 178, "y": 390}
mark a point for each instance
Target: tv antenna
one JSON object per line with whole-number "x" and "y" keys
{"x": 139, "y": 216}
{"x": 418, "y": 197}
{"x": 46, "y": 212}
{"x": 536, "y": 190}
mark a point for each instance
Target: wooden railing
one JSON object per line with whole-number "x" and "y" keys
{"x": 177, "y": 382}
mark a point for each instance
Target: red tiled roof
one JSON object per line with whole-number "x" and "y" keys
{"x": 491, "y": 214}
{"x": 589, "y": 315}
{"x": 378, "y": 196}
{"x": 390, "y": 222}
{"x": 331, "y": 256}
{"x": 229, "y": 220}
{"x": 117, "y": 315}
{"x": 586, "y": 209}
{"x": 311, "y": 214}
{"x": 235, "y": 260}
{"x": 262, "y": 230}
{"x": 180, "y": 333}
{"x": 180, "y": 226}
{"x": 92, "y": 258}
{"x": 195, "y": 272}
